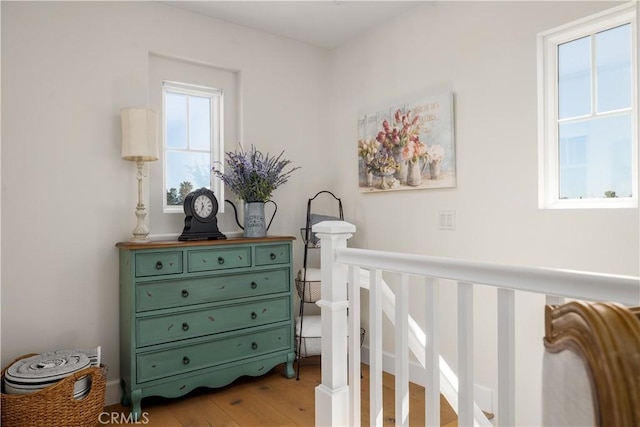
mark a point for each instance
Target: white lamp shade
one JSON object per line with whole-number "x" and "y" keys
{"x": 139, "y": 134}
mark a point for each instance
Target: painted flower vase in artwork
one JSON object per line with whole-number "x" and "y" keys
{"x": 434, "y": 169}
{"x": 386, "y": 181}
{"x": 362, "y": 172}
{"x": 402, "y": 170}
{"x": 365, "y": 177}
{"x": 414, "y": 173}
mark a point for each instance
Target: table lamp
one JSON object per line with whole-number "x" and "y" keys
{"x": 140, "y": 145}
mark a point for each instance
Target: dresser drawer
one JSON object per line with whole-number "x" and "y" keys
{"x": 191, "y": 324}
{"x": 161, "y": 364}
{"x": 158, "y": 263}
{"x": 218, "y": 259}
{"x": 272, "y": 254}
{"x": 179, "y": 293}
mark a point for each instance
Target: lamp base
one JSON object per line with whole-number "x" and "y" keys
{"x": 140, "y": 239}
{"x": 141, "y": 231}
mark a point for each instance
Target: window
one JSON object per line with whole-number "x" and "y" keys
{"x": 192, "y": 140}
{"x": 587, "y": 96}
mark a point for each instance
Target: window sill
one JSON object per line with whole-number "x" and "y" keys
{"x": 604, "y": 203}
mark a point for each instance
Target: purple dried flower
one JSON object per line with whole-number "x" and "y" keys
{"x": 253, "y": 175}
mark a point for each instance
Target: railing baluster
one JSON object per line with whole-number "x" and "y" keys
{"x": 465, "y": 354}
{"x": 375, "y": 348}
{"x": 432, "y": 356}
{"x": 506, "y": 358}
{"x": 402, "y": 352}
{"x": 355, "y": 367}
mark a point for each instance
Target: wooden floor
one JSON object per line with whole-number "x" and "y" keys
{"x": 270, "y": 400}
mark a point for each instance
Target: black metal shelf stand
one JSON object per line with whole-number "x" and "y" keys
{"x": 309, "y": 291}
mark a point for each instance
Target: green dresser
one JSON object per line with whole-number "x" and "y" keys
{"x": 202, "y": 313}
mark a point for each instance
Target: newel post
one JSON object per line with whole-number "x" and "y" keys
{"x": 332, "y": 395}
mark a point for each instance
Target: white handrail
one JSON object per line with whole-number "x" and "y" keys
{"x": 331, "y": 397}
{"x": 548, "y": 281}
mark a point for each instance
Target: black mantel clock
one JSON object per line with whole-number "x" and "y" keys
{"x": 200, "y": 223}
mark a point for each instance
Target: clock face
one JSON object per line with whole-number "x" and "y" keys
{"x": 203, "y": 206}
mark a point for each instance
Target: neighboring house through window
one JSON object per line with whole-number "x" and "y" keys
{"x": 588, "y": 112}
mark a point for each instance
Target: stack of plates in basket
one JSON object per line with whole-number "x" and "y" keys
{"x": 37, "y": 372}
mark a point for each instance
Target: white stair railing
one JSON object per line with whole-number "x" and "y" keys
{"x": 338, "y": 396}
{"x": 409, "y": 336}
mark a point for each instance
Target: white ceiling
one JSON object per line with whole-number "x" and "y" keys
{"x": 325, "y": 23}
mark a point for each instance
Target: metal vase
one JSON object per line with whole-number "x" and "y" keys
{"x": 254, "y": 219}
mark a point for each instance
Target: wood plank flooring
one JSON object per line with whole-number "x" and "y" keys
{"x": 270, "y": 400}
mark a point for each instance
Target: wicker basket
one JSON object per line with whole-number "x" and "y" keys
{"x": 308, "y": 284}
{"x": 308, "y": 291}
{"x": 55, "y": 405}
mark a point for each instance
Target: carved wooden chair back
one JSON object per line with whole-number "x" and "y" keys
{"x": 591, "y": 368}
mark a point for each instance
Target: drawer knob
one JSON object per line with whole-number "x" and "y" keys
{"x": 254, "y": 315}
{"x": 272, "y": 255}
{"x": 254, "y": 345}
{"x": 185, "y": 326}
{"x": 254, "y": 285}
{"x": 185, "y": 360}
{"x": 185, "y": 293}
{"x": 159, "y": 265}
{"x": 220, "y": 260}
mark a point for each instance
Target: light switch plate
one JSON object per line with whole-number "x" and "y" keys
{"x": 447, "y": 220}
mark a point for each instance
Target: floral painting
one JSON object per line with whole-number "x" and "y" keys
{"x": 408, "y": 146}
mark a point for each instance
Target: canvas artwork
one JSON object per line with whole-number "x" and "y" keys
{"x": 408, "y": 146}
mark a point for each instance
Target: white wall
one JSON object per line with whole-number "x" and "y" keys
{"x": 67, "y": 70}
{"x": 486, "y": 52}
{"x": 67, "y": 197}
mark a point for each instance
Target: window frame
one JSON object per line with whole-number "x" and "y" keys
{"x": 548, "y": 144}
{"x": 216, "y": 97}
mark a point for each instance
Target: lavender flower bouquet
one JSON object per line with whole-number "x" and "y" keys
{"x": 253, "y": 175}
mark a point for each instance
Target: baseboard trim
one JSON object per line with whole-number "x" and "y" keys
{"x": 113, "y": 392}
